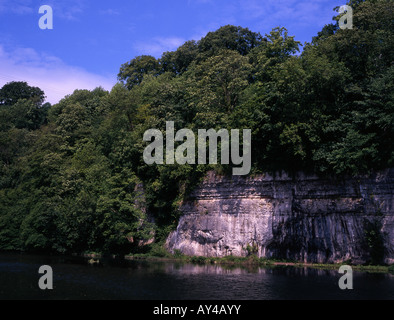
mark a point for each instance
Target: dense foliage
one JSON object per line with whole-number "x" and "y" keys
{"x": 72, "y": 177}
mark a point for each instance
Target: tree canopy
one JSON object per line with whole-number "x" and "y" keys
{"x": 11, "y": 92}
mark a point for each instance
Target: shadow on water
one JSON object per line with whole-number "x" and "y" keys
{"x": 79, "y": 278}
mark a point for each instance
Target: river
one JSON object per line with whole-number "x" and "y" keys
{"x": 75, "y": 279}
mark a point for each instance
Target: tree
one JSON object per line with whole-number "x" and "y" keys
{"x": 21, "y": 106}
{"x": 277, "y": 49}
{"x": 219, "y": 80}
{"x": 133, "y": 72}
{"x": 122, "y": 222}
{"x": 179, "y": 61}
{"x": 11, "y": 92}
{"x": 229, "y": 38}
{"x": 367, "y": 49}
{"x": 357, "y": 125}
{"x": 26, "y": 114}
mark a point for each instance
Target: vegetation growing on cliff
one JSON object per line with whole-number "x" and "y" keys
{"x": 71, "y": 173}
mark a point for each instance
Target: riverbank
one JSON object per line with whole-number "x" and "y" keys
{"x": 262, "y": 262}
{"x": 229, "y": 261}
{"x": 248, "y": 262}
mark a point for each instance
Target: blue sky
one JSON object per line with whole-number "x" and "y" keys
{"x": 92, "y": 38}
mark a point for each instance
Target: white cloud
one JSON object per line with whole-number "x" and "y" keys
{"x": 158, "y": 45}
{"x": 263, "y": 15}
{"x": 19, "y": 7}
{"x": 64, "y": 9}
{"x": 68, "y": 10}
{"x": 47, "y": 72}
{"x": 110, "y": 12}
{"x": 293, "y": 13}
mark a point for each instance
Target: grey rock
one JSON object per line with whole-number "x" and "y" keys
{"x": 303, "y": 218}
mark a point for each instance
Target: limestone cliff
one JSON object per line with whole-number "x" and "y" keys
{"x": 303, "y": 218}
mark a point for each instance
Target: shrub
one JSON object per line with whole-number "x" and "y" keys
{"x": 178, "y": 254}
{"x": 159, "y": 251}
{"x": 198, "y": 260}
{"x": 252, "y": 249}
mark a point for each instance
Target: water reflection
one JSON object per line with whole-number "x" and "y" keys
{"x": 76, "y": 278}
{"x": 190, "y": 269}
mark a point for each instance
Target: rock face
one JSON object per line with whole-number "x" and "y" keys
{"x": 303, "y": 218}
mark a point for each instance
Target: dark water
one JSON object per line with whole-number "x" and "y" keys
{"x": 74, "y": 278}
